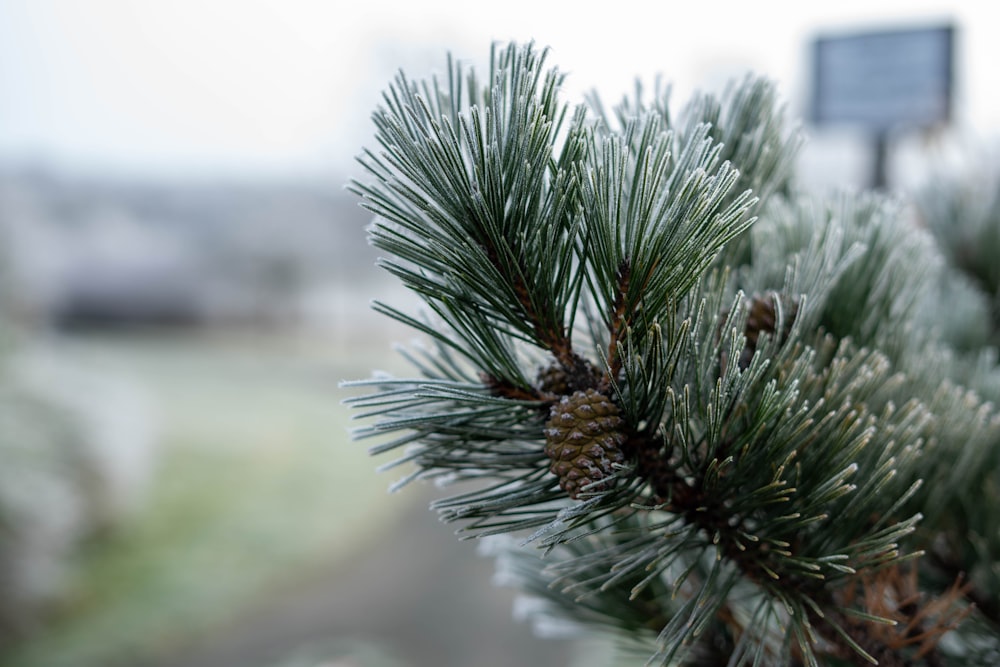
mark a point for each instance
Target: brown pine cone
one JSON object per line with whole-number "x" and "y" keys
{"x": 763, "y": 317}
{"x": 584, "y": 436}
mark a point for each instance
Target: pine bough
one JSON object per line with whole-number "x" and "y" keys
{"x": 693, "y": 406}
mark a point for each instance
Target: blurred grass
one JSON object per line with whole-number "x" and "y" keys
{"x": 256, "y": 485}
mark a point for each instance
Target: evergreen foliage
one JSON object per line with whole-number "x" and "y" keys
{"x": 707, "y": 405}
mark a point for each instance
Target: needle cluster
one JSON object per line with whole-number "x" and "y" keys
{"x": 702, "y": 400}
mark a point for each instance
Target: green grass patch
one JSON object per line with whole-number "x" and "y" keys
{"x": 257, "y": 484}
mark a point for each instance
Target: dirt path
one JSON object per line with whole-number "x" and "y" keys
{"x": 422, "y": 599}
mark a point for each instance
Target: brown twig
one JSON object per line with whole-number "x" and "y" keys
{"x": 988, "y": 607}
{"x": 550, "y": 335}
{"x": 617, "y": 321}
{"x": 887, "y": 593}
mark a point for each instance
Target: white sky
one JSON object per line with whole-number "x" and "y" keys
{"x": 284, "y": 87}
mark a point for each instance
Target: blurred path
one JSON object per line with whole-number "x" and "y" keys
{"x": 422, "y": 597}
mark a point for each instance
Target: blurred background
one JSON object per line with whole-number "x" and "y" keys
{"x": 184, "y": 282}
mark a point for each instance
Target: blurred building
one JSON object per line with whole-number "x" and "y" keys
{"x": 110, "y": 253}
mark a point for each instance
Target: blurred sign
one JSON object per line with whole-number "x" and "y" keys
{"x": 885, "y": 79}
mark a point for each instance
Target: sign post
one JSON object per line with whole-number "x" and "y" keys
{"x": 883, "y": 81}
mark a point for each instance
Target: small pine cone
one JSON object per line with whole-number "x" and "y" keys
{"x": 763, "y": 317}
{"x": 583, "y": 438}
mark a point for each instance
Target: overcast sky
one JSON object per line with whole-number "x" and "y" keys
{"x": 285, "y": 87}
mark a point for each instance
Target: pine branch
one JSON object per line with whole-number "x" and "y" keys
{"x": 713, "y": 426}
{"x": 477, "y": 209}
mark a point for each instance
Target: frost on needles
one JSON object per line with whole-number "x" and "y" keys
{"x": 704, "y": 409}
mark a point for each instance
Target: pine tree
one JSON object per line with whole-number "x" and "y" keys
{"x": 688, "y": 403}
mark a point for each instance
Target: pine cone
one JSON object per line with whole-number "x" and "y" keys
{"x": 763, "y": 317}
{"x": 584, "y": 436}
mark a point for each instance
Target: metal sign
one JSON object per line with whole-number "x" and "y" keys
{"x": 884, "y": 80}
